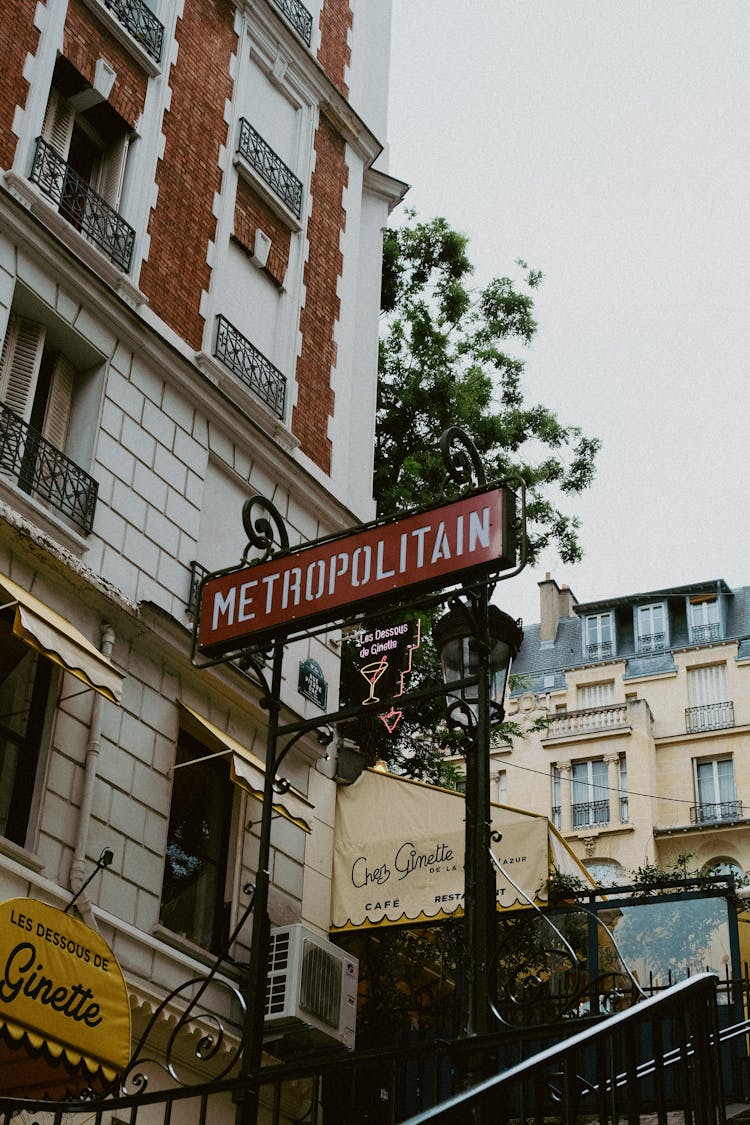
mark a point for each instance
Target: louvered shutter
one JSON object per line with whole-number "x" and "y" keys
{"x": 596, "y": 695}
{"x": 19, "y": 366}
{"x": 59, "y": 119}
{"x": 57, "y": 131}
{"x": 112, "y": 172}
{"x": 57, "y": 413}
{"x": 707, "y": 685}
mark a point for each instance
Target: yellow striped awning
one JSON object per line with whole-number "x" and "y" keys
{"x": 51, "y": 634}
{"x": 248, "y": 772}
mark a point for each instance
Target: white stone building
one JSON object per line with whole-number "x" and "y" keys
{"x": 192, "y": 197}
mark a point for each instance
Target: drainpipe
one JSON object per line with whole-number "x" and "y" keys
{"x": 78, "y": 866}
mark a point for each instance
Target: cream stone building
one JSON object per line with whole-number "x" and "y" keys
{"x": 636, "y": 718}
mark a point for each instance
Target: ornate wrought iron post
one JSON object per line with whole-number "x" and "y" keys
{"x": 476, "y": 643}
{"x": 255, "y": 983}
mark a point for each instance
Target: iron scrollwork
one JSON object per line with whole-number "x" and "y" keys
{"x": 198, "y": 1018}
{"x": 264, "y": 526}
{"x": 463, "y": 465}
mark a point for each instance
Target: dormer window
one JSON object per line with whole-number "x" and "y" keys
{"x": 703, "y": 619}
{"x": 598, "y": 636}
{"x": 651, "y": 628}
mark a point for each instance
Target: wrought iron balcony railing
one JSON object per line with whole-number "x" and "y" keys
{"x": 716, "y": 811}
{"x": 250, "y": 366}
{"x": 270, "y": 167}
{"x": 81, "y": 206}
{"x": 599, "y": 651}
{"x": 589, "y": 814}
{"x": 709, "y": 716}
{"x": 652, "y": 642}
{"x": 701, "y": 633}
{"x": 298, "y": 16}
{"x": 41, "y": 469}
{"x": 137, "y": 18}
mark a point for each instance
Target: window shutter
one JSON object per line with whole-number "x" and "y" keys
{"x": 112, "y": 172}
{"x": 58, "y": 124}
{"x": 19, "y": 366}
{"x": 57, "y": 413}
{"x": 596, "y": 695}
{"x": 707, "y": 685}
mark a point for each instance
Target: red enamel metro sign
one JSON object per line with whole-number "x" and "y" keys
{"x": 358, "y": 570}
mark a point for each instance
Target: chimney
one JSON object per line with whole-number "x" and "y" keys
{"x": 554, "y": 602}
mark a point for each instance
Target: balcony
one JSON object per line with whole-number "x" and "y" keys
{"x": 271, "y": 168}
{"x": 709, "y": 716}
{"x": 700, "y": 634}
{"x": 599, "y": 651}
{"x": 589, "y": 814}
{"x": 138, "y": 19}
{"x": 250, "y": 366}
{"x": 39, "y": 468}
{"x": 715, "y": 812}
{"x": 652, "y": 643}
{"x": 81, "y": 206}
{"x": 586, "y": 720}
{"x": 298, "y": 16}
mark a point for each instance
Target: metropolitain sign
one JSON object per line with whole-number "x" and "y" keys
{"x": 358, "y": 570}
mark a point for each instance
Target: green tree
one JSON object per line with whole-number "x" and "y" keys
{"x": 446, "y": 359}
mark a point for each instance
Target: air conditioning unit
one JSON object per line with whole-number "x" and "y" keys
{"x": 312, "y": 988}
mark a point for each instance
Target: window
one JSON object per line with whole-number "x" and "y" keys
{"x": 708, "y": 705}
{"x": 502, "y": 786}
{"x": 36, "y": 382}
{"x": 38, "y": 391}
{"x": 598, "y": 636}
{"x": 651, "y": 627}
{"x": 556, "y": 797}
{"x": 595, "y": 695}
{"x": 590, "y": 794}
{"x": 703, "y": 619}
{"x": 606, "y": 872}
{"x": 716, "y": 796}
{"x": 724, "y": 865}
{"x": 81, "y": 159}
{"x": 622, "y": 781}
{"x": 25, "y": 678}
{"x": 195, "y": 896}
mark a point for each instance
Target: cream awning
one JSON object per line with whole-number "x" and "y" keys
{"x": 399, "y": 853}
{"x": 47, "y": 631}
{"x": 248, "y": 772}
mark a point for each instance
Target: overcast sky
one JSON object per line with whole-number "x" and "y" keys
{"x": 606, "y": 142}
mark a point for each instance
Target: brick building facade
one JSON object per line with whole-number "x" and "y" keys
{"x": 191, "y": 209}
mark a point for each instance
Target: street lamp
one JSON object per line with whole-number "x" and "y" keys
{"x": 476, "y": 643}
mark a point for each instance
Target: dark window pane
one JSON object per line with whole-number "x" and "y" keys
{"x": 24, "y": 691}
{"x": 197, "y": 846}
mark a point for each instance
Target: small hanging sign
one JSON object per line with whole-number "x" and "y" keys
{"x": 312, "y": 683}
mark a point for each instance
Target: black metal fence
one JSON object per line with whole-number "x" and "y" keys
{"x": 142, "y": 24}
{"x": 660, "y": 1055}
{"x": 270, "y": 167}
{"x": 81, "y": 205}
{"x": 298, "y": 16}
{"x": 250, "y": 366}
{"x": 43, "y": 470}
